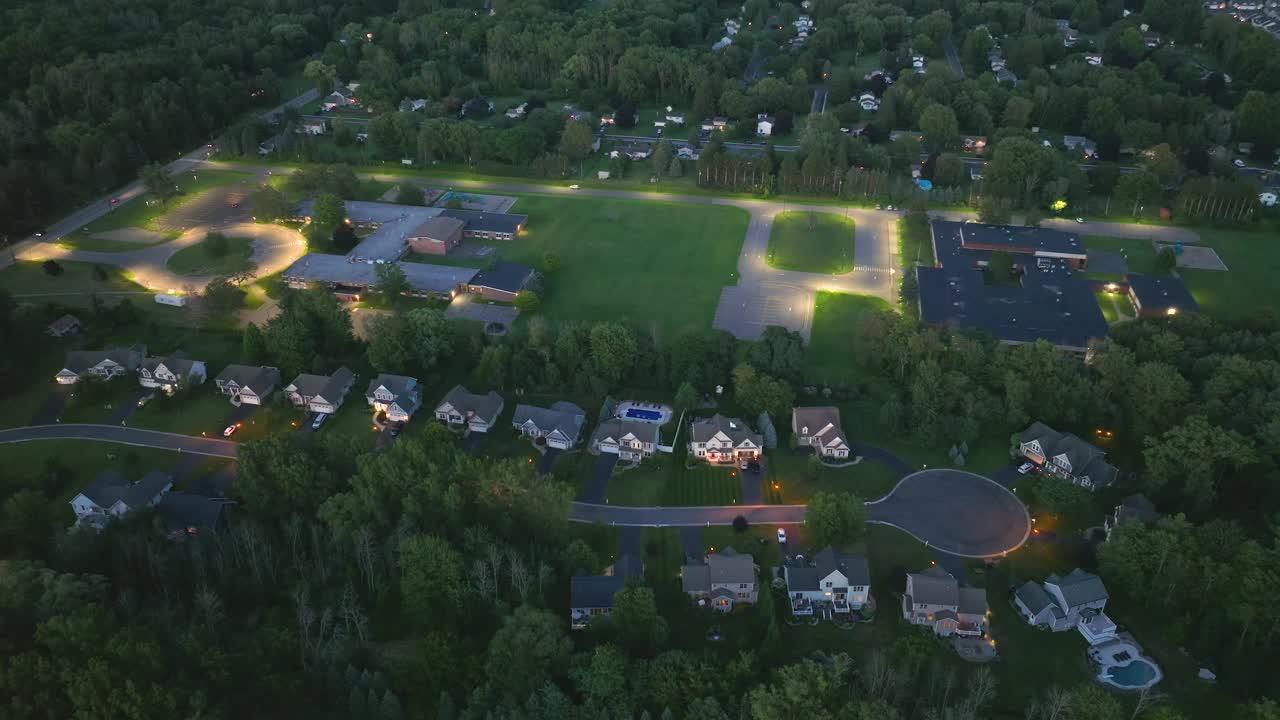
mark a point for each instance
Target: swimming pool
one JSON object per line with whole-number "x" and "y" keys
{"x": 1136, "y": 674}
{"x": 638, "y": 414}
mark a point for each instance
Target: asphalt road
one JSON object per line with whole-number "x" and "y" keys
{"x": 686, "y": 516}
{"x": 123, "y": 435}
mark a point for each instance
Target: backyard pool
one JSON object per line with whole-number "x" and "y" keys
{"x": 647, "y": 415}
{"x": 1138, "y": 673}
{"x": 645, "y": 412}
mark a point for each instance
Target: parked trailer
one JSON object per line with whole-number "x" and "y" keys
{"x": 174, "y": 300}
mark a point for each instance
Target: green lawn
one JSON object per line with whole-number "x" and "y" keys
{"x": 200, "y": 259}
{"x": 660, "y": 265}
{"x": 664, "y": 480}
{"x": 95, "y": 244}
{"x": 790, "y": 480}
{"x": 1253, "y": 262}
{"x": 915, "y": 242}
{"x": 1138, "y": 254}
{"x": 1106, "y": 301}
{"x": 143, "y": 211}
{"x": 202, "y": 413}
{"x": 811, "y": 242}
{"x": 832, "y": 350}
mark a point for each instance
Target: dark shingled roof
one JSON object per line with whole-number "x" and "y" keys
{"x": 109, "y": 487}
{"x": 182, "y": 511}
{"x": 1079, "y": 587}
{"x": 506, "y": 276}
{"x": 1161, "y": 293}
{"x": 488, "y": 221}
{"x": 1033, "y": 596}
{"x": 1086, "y": 459}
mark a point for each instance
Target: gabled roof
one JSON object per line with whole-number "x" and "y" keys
{"x": 505, "y": 276}
{"x": 178, "y": 363}
{"x": 464, "y": 401}
{"x": 437, "y": 228}
{"x": 853, "y": 567}
{"x": 109, "y": 487}
{"x": 935, "y": 586}
{"x": 330, "y": 387}
{"x": 617, "y": 428}
{"x": 1079, "y": 587}
{"x": 1085, "y": 458}
{"x": 254, "y": 377}
{"x": 1032, "y": 595}
{"x": 181, "y": 511}
{"x": 1137, "y": 507}
{"x": 563, "y": 416}
{"x": 730, "y": 567}
{"x": 397, "y": 385}
{"x": 79, "y": 361}
{"x": 736, "y": 430}
{"x": 596, "y": 591}
{"x": 823, "y": 422}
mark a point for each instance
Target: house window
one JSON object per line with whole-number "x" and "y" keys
{"x": 743, "y": 586}
{"x": 828, "y": 584}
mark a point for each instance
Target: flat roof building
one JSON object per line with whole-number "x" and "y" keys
{"x": 337, "y": 270}
{"x": 1154, "y": 295}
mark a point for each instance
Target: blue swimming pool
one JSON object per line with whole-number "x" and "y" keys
{"x": 1136, "y": 674}
{"x": 638, "y": 414}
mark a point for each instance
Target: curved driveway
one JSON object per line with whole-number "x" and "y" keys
{"x": 958, "y": 512}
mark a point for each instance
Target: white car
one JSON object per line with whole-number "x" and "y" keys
{"x": 782, "y": 536}
{"x": 231, "y": 429}
{"x": 1238, "y": 163}
{"x": 890, "y": 208}
{"x": 573, "y": 187}
{"x": 315, "y": 424}
{"x": 1080, "y": 220}
{"x": 1025, "y": 468}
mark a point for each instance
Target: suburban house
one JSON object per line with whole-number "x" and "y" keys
{"x": 627, "y": 439}
{"x": 719, "y": 439}
{"x": 819, "y": 428}
{"x": 764, "y": 125}
{"x": 1135, "y": 508}
{"x": 478, "y": 106}
{"x": 591, "y": 596}
{"x": 111, "y": 496}
{"x": 723, "y": 579}
{"x": 1083, "y": 145}
{"x": 934, "y": 599}
{"x": 247, "y": 383}
{"x": 867, "y": 101}
{"x": 557, "y": 427}
{"x": 1063, "y": 602}
{"x": 171, "y": 373}
{"x": 501, "y": 281}
{"x": 463, "y": 408}
{"x": 1155, "y": 295}
{"x": 517, "y": 112}
{"x": 1005, "y": 75}
{"x": 189, "y": 514}
{"x": 1066, "y": 456}
{"x": 342, "y": 96}
{"x": 321, "y": 393}
{"x": 313, "y": 126}
{"x": 832, "y": 583}
{"x": 1094, "y": 59}
{"x": 413, "y": 105}
{"x": 1265, "y": 199}
{"x": 106, "y": 364}
{"x": 396, "y": 395}
{"x": 436, "y": 236}
{"x": 64, "y": 326}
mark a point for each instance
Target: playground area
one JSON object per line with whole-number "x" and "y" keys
{"x": 1193, "y": 257}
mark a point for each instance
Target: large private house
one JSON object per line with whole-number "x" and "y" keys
{"x": 106, "y": 364}
{"x": 187, "y": 514}
{"x": 627, "y": 439}
{"x": 396, "y": 395}
{"x": 1134, "y": 508}
{"x": 462, "y": 408}
{"x": 247, "y": 383}
{"x": 831, "y": 583}
{"x": 171, "y": 373}
{"x": 934, "y": 599}
{"x": 1066, "y": 456}
{"x": 720, "y": 439}
{"x": 591, "y": 596}
{"x": 1076, "y": 600}
{"x": 320, "y": 393}
{"x": 556, "y": 427}
{"x": 722, "y": 579}
{"x": 819, "y": 428}
{"x": 111, "y": 496}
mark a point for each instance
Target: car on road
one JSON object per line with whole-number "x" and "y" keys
{"x": 115, "y": 201}
{"x": 231, "y": 430}
{"x": 1080, "y": 221}
{"x": 319, "y": 420}
{"x": 235, "y": 204}
{"x": 38, "y": 233}
{"x": 782, "y": 536}
{"x": 879, "y": 208}
{"x": 1238, "y": 163}
{"x": 573, "y": 187}
{"x": 1025, "y": 468}
{"x": 889, "y": 208}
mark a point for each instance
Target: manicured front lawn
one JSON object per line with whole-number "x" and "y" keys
{"x": 790, "y": 478}
{"x": 142, "y": 212}
{"x": 664, "y": 480}
{"x": 833, "y": 348}
{"x": 203, "y": 413}
{"x": 659, "y": 265}
{"x": 28, "y": 278}
{"x": 811, "y": 242}
{"x": 202, "y": 259}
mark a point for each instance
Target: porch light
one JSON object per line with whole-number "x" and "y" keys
{"x": 1172, "y": 311}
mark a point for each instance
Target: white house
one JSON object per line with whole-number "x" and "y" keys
{"x": 675, "y": 118}
{"x": 1076, "y": 600}
{"x": 398, "y": 396}
{"x": 110, "y": 496}
{"x": 868, "y": 102}
{"x": 556, "y": 427}
{"x": 934, "y": 599}
{"x": 831, "y": 582}
{"x": 320, "y": 393}
{"x": 723, "y": 580}
{"x": 1094, "y": 59}
{"x": 819, "y": 428}
{"x": 106, "y": 364}
{"x": 342, "y": 96}
{"x": 518, "y": 111}
{"x": 171, "y": 373}
{"x": 627, "y": 439}
{"x": 1267, "y": 199}
{"x": 720, "y": 439}
{"x": 764, "y": 125}
{"x": 247, "y": 383}
{"x": 462, "y": 408}
{"x": 313, "y": 127}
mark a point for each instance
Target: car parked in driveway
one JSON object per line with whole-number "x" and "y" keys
{"x": 782, "y": 536}
{"x": 318, "y": 421}
{"x": 1025, "y": 468}
{"x": 231, "y": 430}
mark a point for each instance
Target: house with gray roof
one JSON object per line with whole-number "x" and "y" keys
{"x": 171, "y": 373}
{"x": 501, "y": 281}
{"x": 720, "y": 439}
{"x": 110, "y": 496}
{"x": 462, "y": 408}
{"x": 722, "y": 579}
{"x": 187, "y": 514}
{"x": 591, "y": 596}
{"x": 1076, "y": 600}
{"x": 935, "y": 599}
{"x": 106, "y": 364}
{"x": 66, "y": 325}
{"x": 555, "y": 427}
{"x": 320, "y": 393}
{"x": 628, "y": 439}
{"x": 247, "y": 383}
{"x": 832, "y": 582}
{"x": 819, "y": 428}
{"x": 1134, "y": 508}
{"x": 398, "y": 396}
{"x": 1067, "y": 457}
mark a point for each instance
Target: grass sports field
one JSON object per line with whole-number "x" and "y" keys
{"x": 829, "y": 357}
{"x": 811, "y": 242}
{"x": 204, "y": 259}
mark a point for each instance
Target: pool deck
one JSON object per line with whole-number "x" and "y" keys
{"x": 653, "y": 413}
{"x": 1106, "y": 655}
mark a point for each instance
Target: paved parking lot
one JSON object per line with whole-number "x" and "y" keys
{"x": 463, "y": 308}
{"x": 746, "y": 310}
